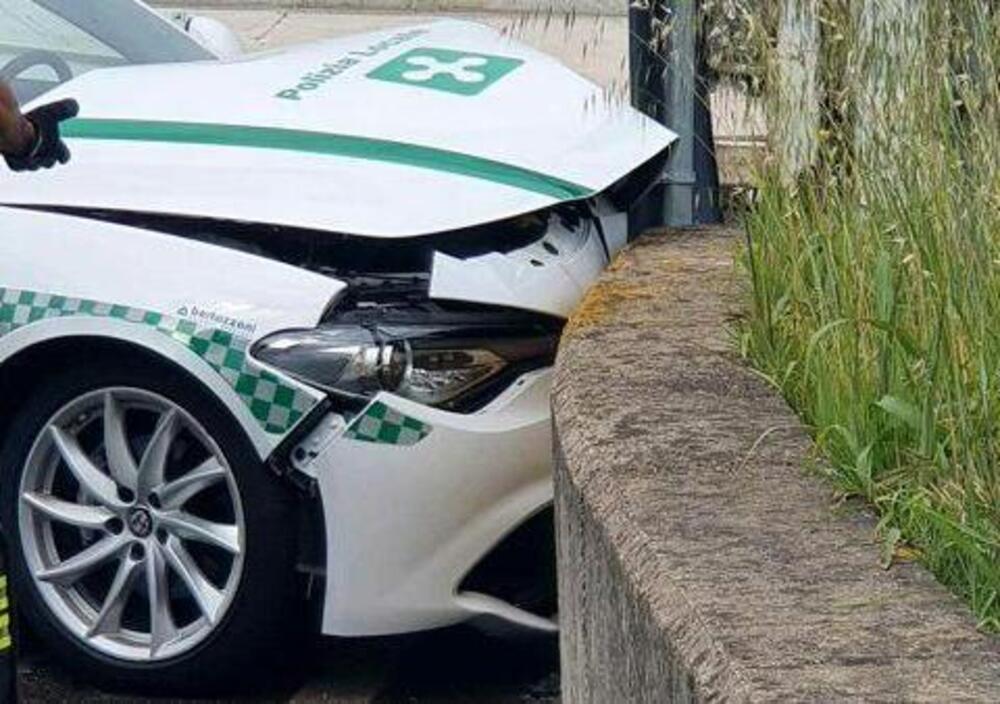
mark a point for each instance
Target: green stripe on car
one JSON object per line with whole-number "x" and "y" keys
{"x": 276, "y": 405}
{"x": 339, "y": 145}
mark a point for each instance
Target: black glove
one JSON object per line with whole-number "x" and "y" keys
{"x": 48, "y": 147}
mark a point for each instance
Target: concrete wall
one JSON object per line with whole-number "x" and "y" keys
{"x": 699, "y": 561}
{"x": 606, "y": 7}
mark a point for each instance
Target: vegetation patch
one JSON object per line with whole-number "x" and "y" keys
{"x": 874, "y": 256}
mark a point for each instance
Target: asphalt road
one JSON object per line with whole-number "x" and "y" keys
{"x": 454, "y": 665}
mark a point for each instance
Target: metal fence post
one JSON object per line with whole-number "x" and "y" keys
{"x": 668, "y": 84}
{"x": 646, "y": 69}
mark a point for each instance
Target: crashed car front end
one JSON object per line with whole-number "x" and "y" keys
{"x": 431, "y": 448}
{"x": 364, "y": 251}
{"x": 435, "y": 451}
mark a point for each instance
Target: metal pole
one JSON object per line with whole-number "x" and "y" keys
{"x": 646, "y": 68}
{"x": 668, "y": 84}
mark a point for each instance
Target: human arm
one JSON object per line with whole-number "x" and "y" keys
{"x": 17, "y": 134}
{"x": 33, "y": 141}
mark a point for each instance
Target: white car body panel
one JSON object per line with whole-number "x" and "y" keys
{"x": 405, "y": 524}
{"x": 537, "y": 136}
{"x": 119, "y": 264}
{"x": 308, "y": 138}
{"x": 549, "y": 276}
{"x": 59, "y": 255}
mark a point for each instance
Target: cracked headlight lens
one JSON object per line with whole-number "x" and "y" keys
{"x": 349, "y": 360}
{"x": 438, "y": 376}
{"x": 433, "y": 365}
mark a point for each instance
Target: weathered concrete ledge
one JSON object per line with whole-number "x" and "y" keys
{"x": 698, "y": 560}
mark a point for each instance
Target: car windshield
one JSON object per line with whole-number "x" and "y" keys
{"x": 44, "y": 43}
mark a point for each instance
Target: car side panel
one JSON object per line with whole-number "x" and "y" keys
{"x": 45, "y": 331}
{"x": 199, "y": 305}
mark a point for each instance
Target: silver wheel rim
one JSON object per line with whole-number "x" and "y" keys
{"x": 131, "y": 524}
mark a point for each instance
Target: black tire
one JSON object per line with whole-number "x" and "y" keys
{"x": 245, "y": 650}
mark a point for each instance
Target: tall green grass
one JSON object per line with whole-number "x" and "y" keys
{"x": 876, "y": 282}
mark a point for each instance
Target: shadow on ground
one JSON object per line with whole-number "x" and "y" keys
{"x": 459, "y": 664}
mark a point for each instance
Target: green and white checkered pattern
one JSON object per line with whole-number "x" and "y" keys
{"x": 382, "y": 425}
{"x": 275, "y": 405}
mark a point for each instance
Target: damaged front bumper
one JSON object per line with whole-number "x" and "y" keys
{"x": 548, "y": 276}
{"x": 415, "y": 497}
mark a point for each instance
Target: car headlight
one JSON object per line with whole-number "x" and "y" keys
{"x": 431, "y": 364}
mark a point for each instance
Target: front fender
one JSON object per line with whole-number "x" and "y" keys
{"x": 237, "y": 386}
{"x": 199, "y": 305}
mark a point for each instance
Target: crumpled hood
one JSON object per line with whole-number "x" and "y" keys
{"x": 397, "y": 133}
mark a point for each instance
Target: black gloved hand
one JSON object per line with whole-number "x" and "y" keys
{"x": 48, "y": 148}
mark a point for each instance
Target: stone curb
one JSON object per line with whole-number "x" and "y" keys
{"x": 583, "y": 7}
{"x": 698, "y": 559}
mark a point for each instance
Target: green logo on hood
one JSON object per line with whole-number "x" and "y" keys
{"x": 450, "y": 71}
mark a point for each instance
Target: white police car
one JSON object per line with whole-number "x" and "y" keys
{"x": 281, "y": 333}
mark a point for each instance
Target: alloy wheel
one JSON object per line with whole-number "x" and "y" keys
{"x": 131, "y": 524}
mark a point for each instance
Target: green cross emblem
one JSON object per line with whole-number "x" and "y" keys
{"x": 459, "y": 72}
